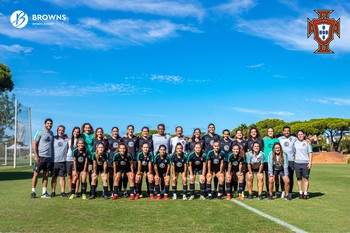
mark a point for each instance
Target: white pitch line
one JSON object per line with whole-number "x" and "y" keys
{"x": 276, "y": 220}
{"x": 262, "y": 214}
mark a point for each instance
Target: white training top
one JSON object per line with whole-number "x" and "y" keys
{"x": 288, "y": 146}
{"x": 302, "y": 150}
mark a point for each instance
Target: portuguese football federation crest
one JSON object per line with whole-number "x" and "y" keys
{"x": 323, "y": 29}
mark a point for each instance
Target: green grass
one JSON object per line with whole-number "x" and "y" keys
{"x": 326, "y": 211}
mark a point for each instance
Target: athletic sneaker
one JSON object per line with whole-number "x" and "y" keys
{"x": 33, "y": 195}
{"x": 45, "y": 195}
{"x": 283, "y": 194}
{"x": 115, "y": 197}
{"x": 224, "y": 193}
{"x": 184, "y": 197}
{"x": 260, "y": 197}
{"x": 71, "y": 196}
{"x": 305, "y": 196}
{"x": 250, "y": 196}
{"x": 83, "y": 196}
{"x": 63, "y": 194}
{"x": 243, "y": 194}
{"x": 92, "y": 197}
{"x": 228, "y": 197}
{"x": 192, "y": 198}
{"x": 151, "y": 196}
{"x": 141, "y": 196}
{"x": 268, "y": 194}
{"x": 235, "y": 194}
{"x": 240, "y": 196}
{"x": 220, "y": 197}
{"x": 137, "y": 196}
{"x": 132, "y": 197}
{"x": 77, "y": 195}
{"x": 300, "y": 196}
{"x": 126, "y": 194}
{"x": 210, "y": 197}
{"x": 68, "y": 194}
{"x": 174, "y": 196}
{"x": 53, "y": 194}
{"x": 166, "y": 197}
{"x": 276, "y": 194}
{"x": 270, "y": 198}
{"x": 158, "y": 197}
{"x": 200, "y": 198}
{"x": 215, "y": 193}
{"x": 288, "y": 198}
{"x": 106, "y": 197}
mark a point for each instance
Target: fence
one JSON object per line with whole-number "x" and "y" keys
{"x": 16, "y": 150}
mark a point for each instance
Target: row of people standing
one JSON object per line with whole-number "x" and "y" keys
{"x": 134, "y": 145}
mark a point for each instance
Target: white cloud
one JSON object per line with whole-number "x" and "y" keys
{"x": 93, "y": 34}
{"x": 180, "y": 8}
{"x": 234, "y": 7}
{"x": 290, "y": 33}
{"x": 76, "y": 90}
{"x": 16, "y": 48}
{"x": 166, "y": 78}
{"x": 48, "y": 72}
{"x": 137, "y": 31}
{"x": 263, "y": 112}
{"x": 334, "y": 101}
{"x": 255, "y": 66}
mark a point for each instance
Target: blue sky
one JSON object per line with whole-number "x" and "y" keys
{"x": 189, "y": 63}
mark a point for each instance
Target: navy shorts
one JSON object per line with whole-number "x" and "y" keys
{"x": 301, "y": 170}
{"x": 69, "y": 167}
{"x": 196, "y": 171}
{"x": 278, "y": 172}
{"x": 45, "y": 164}
{"x": 59, "y": 169}
{"x": 266, "y": 167}
{"x": 244, "y": 167}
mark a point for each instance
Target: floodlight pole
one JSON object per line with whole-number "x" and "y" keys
{"x": 15, "y": 137}
{"x": 30, "y": 136}
{"x": 5, "y": 153}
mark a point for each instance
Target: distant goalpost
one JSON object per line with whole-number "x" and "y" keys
{"x": 19, "y": 152}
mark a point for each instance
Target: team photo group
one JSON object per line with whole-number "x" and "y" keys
{"x": 225, "y": 165}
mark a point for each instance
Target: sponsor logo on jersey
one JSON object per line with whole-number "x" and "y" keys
{"x": 179, "y": 164}
{"x": 216, "y": 161}
{"x": 144, "y": 163}
{"x": 80, "y": 159}
{"x": 162, "y": 165}
{"x": 211, "y": 142}
{"x": 115, "y": 144}
{"x": 130, "y": 144}
{"x": 122, "y": 162}
{"x": 234, "y": 163}
{"x": 286, "y": 143}
{"x": 323, "y": 29}
{"x": 226, "y": 147}
{"x": 197, "y": 162}
{"x": 60, "y": 144}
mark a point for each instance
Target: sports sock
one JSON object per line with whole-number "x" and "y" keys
{"x": 132, "y": 190}
{"x": 116, "y": 190}
{"x": 209, "y": 189}
{"x": 228, "y": 188}
{"x": 83, "y": 188}
{"x": 110, "y": 181}
{"x": 215, "y": 183}
{"x": 184, "y": 188}
{"x": 221, "y": 189}
{"x": 235, "y": 185}
{"x": 166, "y": 189}
{"x": 92, "y": 190}
{"x": 192, "y": 189}
{"x": 44, "y": 190}
{"x": 34, "y": 190}
{"x": 202, "y": 187}
{"x": 73, "y": 188}
{"x": 241, "y": 188}
{"x": 137, "y": 186}
{"x": 105, "y": 190}
{"x": 151, "y": 188}
{"x": 174, "y": 188}
{"x": 157, "y": 189}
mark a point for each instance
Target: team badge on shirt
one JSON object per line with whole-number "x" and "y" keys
{"x": 323, "y": 29}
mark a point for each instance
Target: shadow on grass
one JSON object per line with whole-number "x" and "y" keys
{"x": 318, "y": 194}
{"x": 15, "y": 175}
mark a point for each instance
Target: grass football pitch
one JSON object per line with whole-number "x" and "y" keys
{"x": 327, "y": 210}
